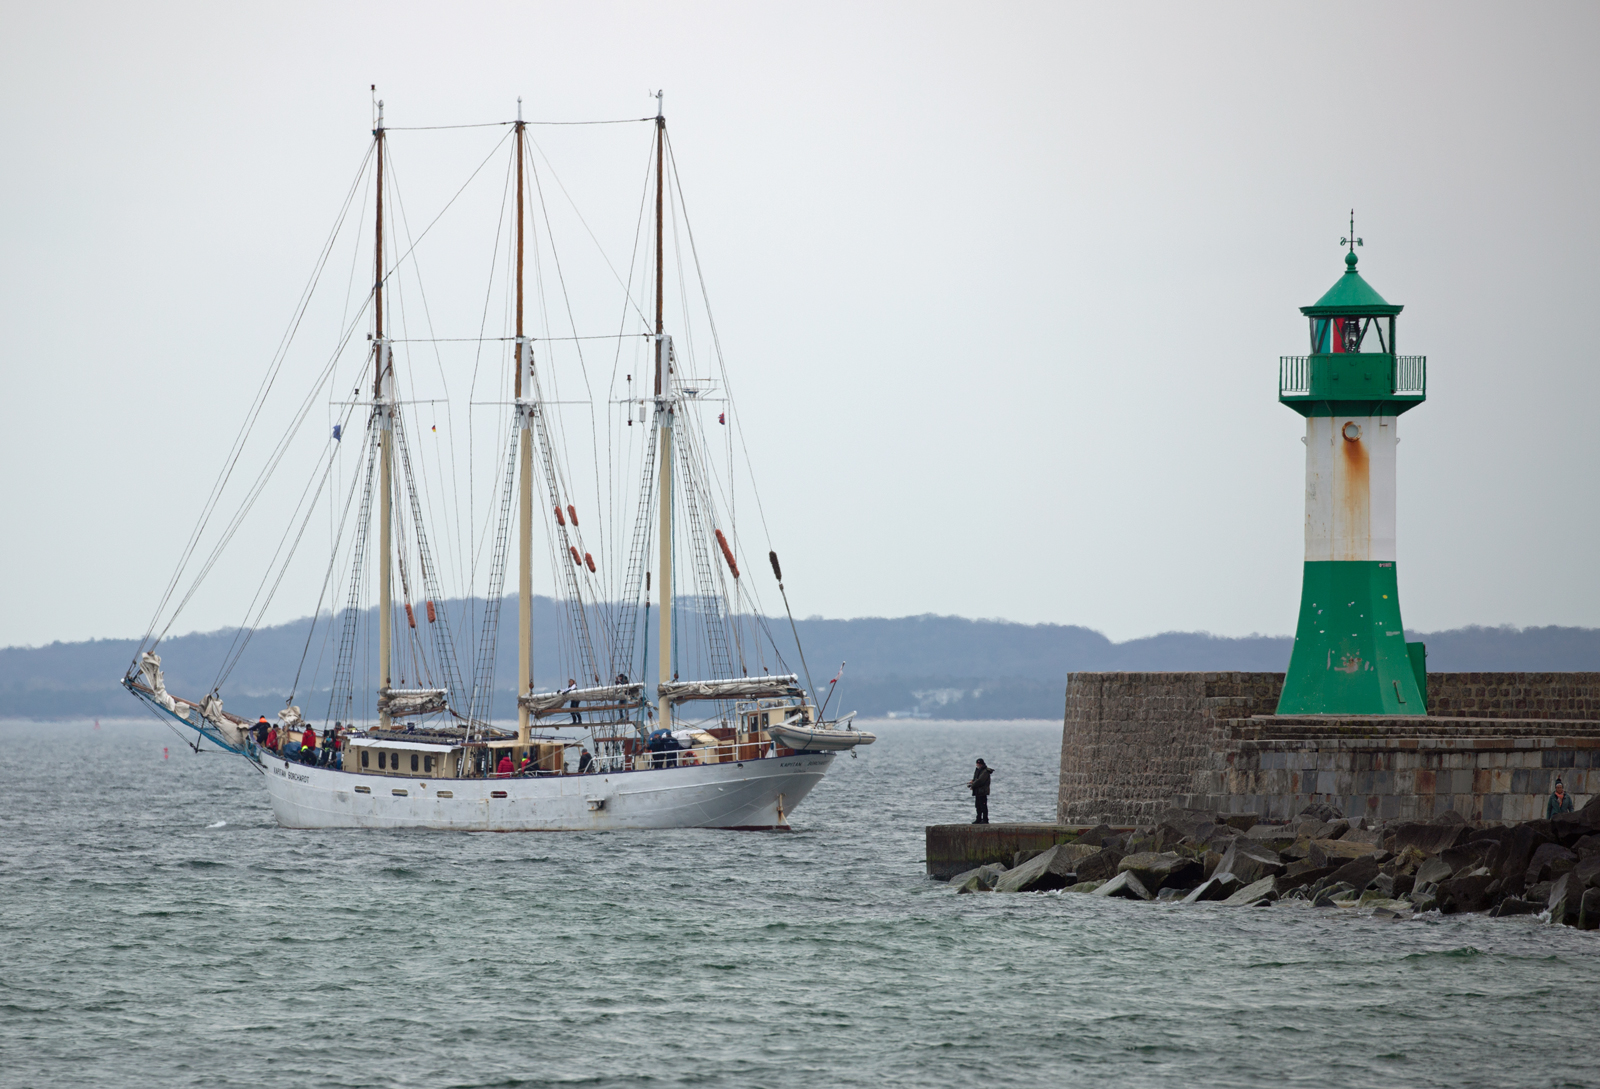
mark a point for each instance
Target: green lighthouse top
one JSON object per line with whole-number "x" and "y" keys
{"x": 1352, "y": 368}
{"x": 1351, "y": 296}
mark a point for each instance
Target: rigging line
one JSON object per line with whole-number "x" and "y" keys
{"x": 230, "y": 463}
{"x": 716, "y": 338}
{"x": 254, "y": 493}
{"x": 327, "y": 580}
{"x": 476, "y": 551}
{"x": 250, "y": 630}
{"x": 633, "y": 264}
{"x": 583, "y": 366}
{"x": 438, "y": 359}
{"x": 625, "y": 284}
{"x": 438, "y": 128}
{"x": 355, "y": 257}
{"x": 493, "y": 340}
{"x": 400, "y": 261}
{"x": 497, "y": 124}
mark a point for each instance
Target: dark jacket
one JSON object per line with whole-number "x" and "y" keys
{"x": 980, "y": 780}
{"x": 1558, "y": 805}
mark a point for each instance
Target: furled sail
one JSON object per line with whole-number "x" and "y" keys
{"x": 734, "y": 688}
{"x": 404, "y": 702}
{"x": 608, "y": 693}
{"x": 150, "y": 666}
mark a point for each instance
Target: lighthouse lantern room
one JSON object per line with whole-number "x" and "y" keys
{"x": 1350, "y": 654}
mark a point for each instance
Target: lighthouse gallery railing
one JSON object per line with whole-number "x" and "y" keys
{"x": 1409, "y": 377}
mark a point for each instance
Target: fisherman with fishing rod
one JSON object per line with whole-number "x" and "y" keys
{"x": 979, "y": 785}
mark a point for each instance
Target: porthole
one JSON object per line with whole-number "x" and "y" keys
{"x": 446, "y": 794}
{"x": 1352, "y": 431}
{"x": 497, "y": 794}
{"x": 398, "y": 792}
{"x": 363, "y": 790}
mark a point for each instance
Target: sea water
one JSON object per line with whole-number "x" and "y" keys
{"x": 157, "y": 928}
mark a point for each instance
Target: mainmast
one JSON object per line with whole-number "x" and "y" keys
{"x": 524, "y": 390}
{"x": 664, "y": 424}
{"x": 383, "y": 405}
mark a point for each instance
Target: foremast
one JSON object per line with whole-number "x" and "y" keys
{"x": 383, "y": 409}
{"x": 663, "y": 397}
{"x": 524, "y": 409}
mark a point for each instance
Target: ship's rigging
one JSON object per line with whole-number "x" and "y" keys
{"x": 621, "y": 481}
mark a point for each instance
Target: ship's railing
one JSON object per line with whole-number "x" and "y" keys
{"x": 1294, "y": 375}
{"x": 1411, "y": 374}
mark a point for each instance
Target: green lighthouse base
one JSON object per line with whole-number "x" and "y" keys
{"x": 1350, "y": 655}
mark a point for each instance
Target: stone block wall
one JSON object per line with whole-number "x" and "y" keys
{"x": 1571, "y": 696}
{"x": 1383, "y": 769}
{"x": 1130, "y": 741}
{"x": 1133, "y": 744}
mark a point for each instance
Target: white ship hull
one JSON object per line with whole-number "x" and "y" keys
{"x": 750, "y": 795}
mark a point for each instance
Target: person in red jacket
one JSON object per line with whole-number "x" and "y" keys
{"x": 503, "y": 770}
{"x": 308, "y": 745}
{"x": 272, "y": 739}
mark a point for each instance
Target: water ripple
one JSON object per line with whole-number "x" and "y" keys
{"x": 139, "y": 947}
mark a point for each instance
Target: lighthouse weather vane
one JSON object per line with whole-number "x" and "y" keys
{"x": 1352, "y": 241}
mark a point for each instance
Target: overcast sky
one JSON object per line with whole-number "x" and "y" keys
{"x": 1003, "y": 287}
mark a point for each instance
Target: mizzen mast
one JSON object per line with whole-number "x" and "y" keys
{"x": 383, "y": 405}
{"x": 525, "y": 410}
{"x": 663, "y": 345}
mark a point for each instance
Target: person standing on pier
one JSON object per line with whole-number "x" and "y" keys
{"x": 1560, "y": 802}
{"x": 979, "y": 785}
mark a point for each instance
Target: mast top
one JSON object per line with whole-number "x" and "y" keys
{"x": 519, "y": 108}
{"x": 660, "y": 114}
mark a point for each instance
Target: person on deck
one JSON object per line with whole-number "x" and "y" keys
{"x": 572, "y": 686}
{"x": 272, "y": 739}
{"x": 503, "y": 770}
{"x": 979, "y": 785}
{"x": 585, "y": 762}
{"x": 308, "y": 745}
{"x": 1560, "y": 802}
{"x": 262, "y": 728}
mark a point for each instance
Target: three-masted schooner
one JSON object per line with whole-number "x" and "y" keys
{"x": 720, "y": 750}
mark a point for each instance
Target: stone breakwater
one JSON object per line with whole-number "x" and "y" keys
{"x": 1391, "y": 870}
{"x": 1489, "y": 748}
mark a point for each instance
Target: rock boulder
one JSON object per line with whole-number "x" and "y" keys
{"x": 988, "y": 875}
{"x": 1250, "y": 861}
{"x": 1433, "y": 871}
{"x": 1052, "y": 869}
{"x": 1100, "y": 866}
{"x": 1220, "y": 887}
{"x": 1469, "y": 892}
{"x": 1263, "y": 891}
{"x": 1124, "y": 886}
{"x": 1549, "y": 861}
{"x": 1357, "y": 873}
{"x": 1166, "y": 870}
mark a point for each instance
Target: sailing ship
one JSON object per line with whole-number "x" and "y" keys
{"x": 727, "y": 748}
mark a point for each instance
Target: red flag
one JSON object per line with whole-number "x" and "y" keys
{"x": 722, "y": 417}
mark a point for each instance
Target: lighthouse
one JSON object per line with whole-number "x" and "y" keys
{"x": 1350, "y": 654}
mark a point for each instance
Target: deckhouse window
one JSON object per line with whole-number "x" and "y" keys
{"x": 363, "y": 757}
{"x": 427, "y": 763}
{"x": 413, "y": 761}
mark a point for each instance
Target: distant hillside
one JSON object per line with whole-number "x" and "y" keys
{"x": 943, "y": 666}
